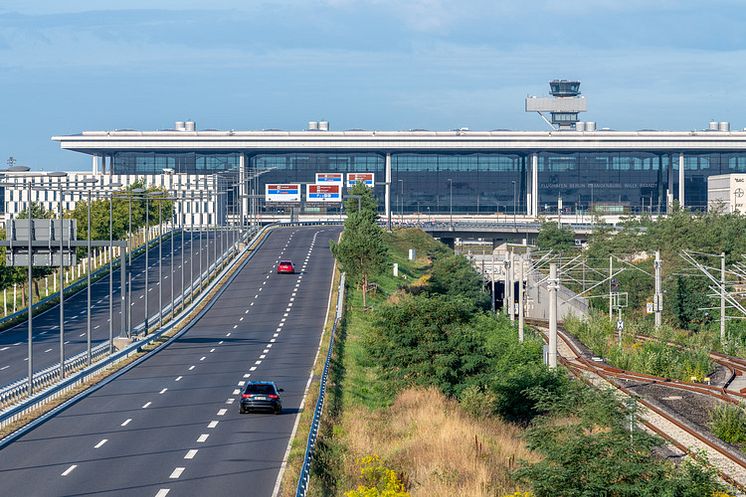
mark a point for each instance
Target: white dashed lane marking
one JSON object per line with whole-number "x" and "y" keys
{"x": 126, "y": 422}
{"x": 100, "y": 444}
{"x": 177, "y": 472}
{"x": 69, "y": 470}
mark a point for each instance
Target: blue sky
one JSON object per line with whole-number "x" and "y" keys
{"x": 374, "y": 64}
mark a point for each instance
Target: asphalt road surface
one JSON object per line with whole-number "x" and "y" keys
{"x": 46, "y": 325}
{"x": 171, "y": 426}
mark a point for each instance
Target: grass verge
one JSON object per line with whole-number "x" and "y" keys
{"x": 435, "y": 447}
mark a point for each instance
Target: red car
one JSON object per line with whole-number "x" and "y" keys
{"x": 286, "y": 267}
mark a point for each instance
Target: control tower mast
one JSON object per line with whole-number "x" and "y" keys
{"x": 564, "y": 104}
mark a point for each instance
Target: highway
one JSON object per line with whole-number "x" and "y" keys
{"x": 171, "y": 425}
{"x": 46, "y": 329}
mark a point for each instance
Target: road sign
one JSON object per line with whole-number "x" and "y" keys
{"x": 329, "y": 178}
{"x": 649, "y": 308}
{"x": 45, "y": 238}
{"x": 620, "y": 325}
{"x": 369, "y": 179}
{"x": 282, "y": 192}
{"x": 323, "y": 193}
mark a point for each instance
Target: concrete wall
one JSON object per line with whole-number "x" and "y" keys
{"x": 537, "y": 306}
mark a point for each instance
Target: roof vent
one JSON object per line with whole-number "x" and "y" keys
{"x": 180, "y": 126}
{"x": 190, "y": 126}
{"x": 313, "y": 126}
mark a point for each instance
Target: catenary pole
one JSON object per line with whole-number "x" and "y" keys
{"x": 553, "y": 284}
{"x": 658, "y": 299}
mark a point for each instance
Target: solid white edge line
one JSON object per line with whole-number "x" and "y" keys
{"x": 283, "y": 466}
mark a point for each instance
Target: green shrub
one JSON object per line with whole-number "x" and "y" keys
{"x": 589, "y": 452}
{"x": 728, "y": 423}
{"x": 689, "y": 362}
{"x": 453, "y": 275}
{"x": 477, "y": 401}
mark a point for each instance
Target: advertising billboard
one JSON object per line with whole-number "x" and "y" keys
{"x": 282, "y": 192}
{"x": 323, "y": 193}
{"x": 368, "y": 178}
{"x": 329, "y": 178}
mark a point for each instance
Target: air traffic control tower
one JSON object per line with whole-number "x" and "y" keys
{"x": 564, "y": 104}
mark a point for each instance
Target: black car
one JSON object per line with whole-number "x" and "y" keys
{"x": 261, "y": 395}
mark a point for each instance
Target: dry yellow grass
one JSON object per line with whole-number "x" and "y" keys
{"x": 439, "y": 450}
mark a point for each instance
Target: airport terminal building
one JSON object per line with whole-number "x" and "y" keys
{"x": 475, "y": 172}
{"x": 574, "y": 167}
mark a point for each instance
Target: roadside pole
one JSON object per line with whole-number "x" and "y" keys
{"x": 521, "y": 317}
{"x": 553, "y": 284}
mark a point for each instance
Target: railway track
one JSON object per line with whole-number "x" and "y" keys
{"x": 735, "y": 366}
{"x": 731, "y": 464}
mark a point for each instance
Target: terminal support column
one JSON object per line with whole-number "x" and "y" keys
{"x": 388, "y": 190}
{"x": 242, "y": 189}
{"x": 682, "y": 202}
{"x": 534, "y": 208}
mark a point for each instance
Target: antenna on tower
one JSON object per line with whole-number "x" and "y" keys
{"x": 11, "y": 161}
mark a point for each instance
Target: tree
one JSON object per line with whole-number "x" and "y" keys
{"x": 559, "y": 239}
{"x": 37, "y": 212}
{"x": 361, "y": 195}
{"x": 420, "y": 340}
{"x": 361, "y": 252}
{"x": 453, "y": 275}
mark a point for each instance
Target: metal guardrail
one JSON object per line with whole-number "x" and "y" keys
{"x": 19, "y": 389}
{"x": 76, "y": 286}
{"x": 19, "y": 410}
{"x": 305, "y": 471}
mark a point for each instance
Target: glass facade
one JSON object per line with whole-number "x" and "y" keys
{"x": 609, "y": 181}
{"x": 475, "y": 183}
{"x": 180, "y": 162}
{"x": 302, "y": 168}
{"x": 698, "y": 166}
{"x": 479, "y": 183}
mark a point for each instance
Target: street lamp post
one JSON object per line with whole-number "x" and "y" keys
{"x": 88, "y": 275}
{"x": 172, "y": 266}
{"x": 111, "y": 267}
{"x": 59, "y": 177}
{"x": 147, "y": 263}
{"x": 514, "y": 201}
{"x": 160, "y": 262}
{"x": 450, "y": 201}
{"x": 30, "y": 299}
{"x": 401, "y": 200}
{"x": 136, "y": 191}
